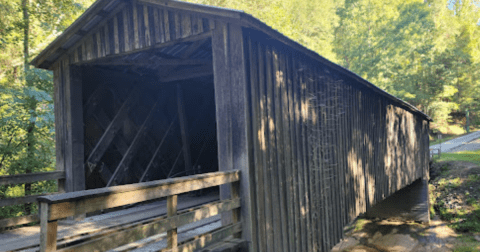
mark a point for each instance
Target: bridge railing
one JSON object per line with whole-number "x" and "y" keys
{"x": 23, "y": 179}
{"x": 56, "y": 207}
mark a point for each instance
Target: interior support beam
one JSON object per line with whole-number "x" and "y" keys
{"x": 152, "y": 160}
{"x": 122, "y": 167}
{"x": 186, "y": 74}
{"x": 184, "y": 130}
{"x": 110, "y": 132}
{"x": 151, "y": 63}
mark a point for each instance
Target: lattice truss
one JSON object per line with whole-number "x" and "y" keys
{"x": 133, "y": 122}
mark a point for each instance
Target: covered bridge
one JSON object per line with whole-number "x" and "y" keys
{"x": 147, "y": 90}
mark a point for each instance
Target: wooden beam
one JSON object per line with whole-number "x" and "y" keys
{"x": 121, "y": 61}
{"x": 111, "y": 131}
{"x": 150, "y": 164}
{"x": 74, "y": 156}
{"x": 15, "y": 221}
{"x": 186, "y": 74}
{"x": 48, "y": 230}
{"x": 172, "y": 237}
{"x": 113, "y": 238}
{"x": 207, "y": 239}
{"x": 233, "y": 117}
{"x": 184, "y": 130}
{"x": 75, "y": 203}
{"x": 21, "y": 200}
{"x": 132, "y": 149}
{"x": 151, "y": 49}
{"x": 31, "y": 177}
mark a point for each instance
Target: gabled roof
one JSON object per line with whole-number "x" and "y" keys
{"x": 102, "y": 8}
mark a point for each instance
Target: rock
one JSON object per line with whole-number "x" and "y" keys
{"x": 477, "y": 237}
{"x": 397, "y": 242}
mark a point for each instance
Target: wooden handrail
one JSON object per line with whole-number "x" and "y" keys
{"x": 22, "y": 179}
{"x": 31, "y": 177}
{"x": 55, "y": 207}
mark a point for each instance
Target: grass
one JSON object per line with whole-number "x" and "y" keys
{"x": 466, "y": 243}
{"x": 469, "y": 156}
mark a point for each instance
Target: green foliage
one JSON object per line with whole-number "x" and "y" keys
{"x": 27, "y": 135}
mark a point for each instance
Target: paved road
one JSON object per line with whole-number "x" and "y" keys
{"x": 463, "y": 143}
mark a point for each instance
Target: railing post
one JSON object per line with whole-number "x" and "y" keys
{"x": 235, "y": 192}
{"x": 172, "y": 242}
{"x": 48, "y": 230}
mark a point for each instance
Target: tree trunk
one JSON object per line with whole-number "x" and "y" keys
{"x": 31, "y": 103}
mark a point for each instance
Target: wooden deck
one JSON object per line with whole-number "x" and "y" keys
{"x": 27, "y": 238}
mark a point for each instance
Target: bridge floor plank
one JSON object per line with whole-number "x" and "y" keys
{"x": 28, "y": 237}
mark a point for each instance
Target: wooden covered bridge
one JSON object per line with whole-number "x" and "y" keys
{"x": 155, "y": 99}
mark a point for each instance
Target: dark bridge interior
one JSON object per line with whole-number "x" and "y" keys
{"x": 149, "y": 115}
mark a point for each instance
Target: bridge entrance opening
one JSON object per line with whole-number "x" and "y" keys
{"x": 149, "y": 115}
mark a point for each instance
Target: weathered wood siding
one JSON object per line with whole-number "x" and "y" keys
{"x": 134, "y": 26}
{"x": 325, "y": 148}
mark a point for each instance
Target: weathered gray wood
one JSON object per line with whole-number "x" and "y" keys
{"x": 231, "y": 105}
{"x": 299, "y": 156}
{"x": 74, "y": 171}
{"x": 30, "y": 177}
{"x": 280, "y": 169}
{"x": 257, "y": 135}
{"x": 48, "y": 230}
{"x": 292, "y": 132}
{"x": 273, "y": 167}
{"x": 172, "y": 239}
{"x": 124, "y": 164}
{"x": 74, "y": 203}
{"x": 182, "y": 119}
{"x": 15, "y": 221}
{"x": 264, "y": 135}
{"x": 20, "y": 200}
{"x": 112, "y": 129}
{"x": 204, "y": 240}
{"x": 152, "y": 160}
{"x": 113, "y": 238}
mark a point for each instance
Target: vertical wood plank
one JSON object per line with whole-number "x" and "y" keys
{"x": 106, "y": 35}
{"x": 115, "y": 34}
{"x": 291, "y": 118}
{"x": 172, "y": 238}
{"x": 59, "y": 105}
{"x": 186, "y": 24}
{"x": 280, "y": 169}
{"x": 74, "y": 157}
{"x": 178, "y": 25}
{"x": 136, "y": 27}
{"x": 148, "y": 41}
{"x": 48, "y": 230}
{"x": 166, "y": 25}
{"x": 288, "y": 179}
{"x": 299, "y": 155}
{"x": 99, "y": 44}
{"x": 126, "y": 30}
{"x": 273, "y": 165}
{"x": 156, "y": 21}
{"x": 232, "y": 117}
{"x": 259, "y": 142}
{"x": 266, "y": 158}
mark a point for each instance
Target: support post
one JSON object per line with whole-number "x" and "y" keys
{"x": 233, "y": 119}
{"x": 172, "y": 239}
{"x": 184, "y": 129}
{"x": 72, "y": 123}
{"x": 48, "y": 230}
